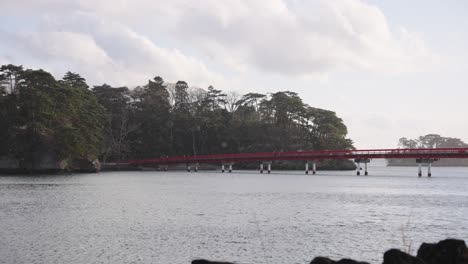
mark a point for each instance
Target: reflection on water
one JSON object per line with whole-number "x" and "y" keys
{"x": 173, "y": 217}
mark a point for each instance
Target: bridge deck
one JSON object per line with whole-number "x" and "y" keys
{"x": 438, "y": 153}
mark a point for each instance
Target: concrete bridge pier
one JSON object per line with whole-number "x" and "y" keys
{"x": 307, "y": 167}
{"x": 261, "y": 167}
{"x": 358, "y": 163}
{"x": 358, "y": 166}
{"x": 429, "y": 166}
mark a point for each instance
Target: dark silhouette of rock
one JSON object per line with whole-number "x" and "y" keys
{"x": 350, "y": 261}
{"x": 449, "y": 251}
{"x": 204, "y": 261}
{"x": 395, "y": 256}
{"x": 323, "y": 260}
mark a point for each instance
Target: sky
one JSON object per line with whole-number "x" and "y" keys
{"x": 388, "y": 68}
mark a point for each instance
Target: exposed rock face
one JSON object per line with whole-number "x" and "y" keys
{"x": 323, "y": 260}
{"x": 47, "y": 162}
{"x": 395, "y": 256}
{"x": 203, "y": 261}
{"x": 39, "y": 162}
{"x": 86, "y": 165}
{"x": 449, "y": 251}
{"x": 8, "y": 163}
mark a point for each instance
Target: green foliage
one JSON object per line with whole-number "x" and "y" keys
{"x": 5, "y": 122}
{"x": 9, "y": 77}
{"x": 118, "y": 105}
{"x": 151, "y": 113}
{"x": 79, "y": 121}
{"x": 74, "y": 80}
{"x": 42, "y": 115}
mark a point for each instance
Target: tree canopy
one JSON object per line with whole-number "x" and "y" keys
{"x": 432, "y": 141}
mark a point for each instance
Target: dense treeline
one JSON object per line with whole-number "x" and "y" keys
{"x": 430, "y": 141}
{"x": 69, "y": 120}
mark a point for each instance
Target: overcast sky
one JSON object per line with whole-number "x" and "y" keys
{"x": 389, "y": 68}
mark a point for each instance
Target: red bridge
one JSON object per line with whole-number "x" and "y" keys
{"x": 422, "y": 156}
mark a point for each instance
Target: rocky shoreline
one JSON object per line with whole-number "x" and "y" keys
{"x": 448, "y": 251}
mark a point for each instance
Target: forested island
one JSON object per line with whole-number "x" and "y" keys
{"x": 64, "y": 125}
{"x": 430, "y": 141}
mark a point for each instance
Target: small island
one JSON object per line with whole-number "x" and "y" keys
{"x": 50, "y": 125}
{"x": 430, "y": 141}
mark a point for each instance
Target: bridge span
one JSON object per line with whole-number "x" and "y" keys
{"x": 422, "y": 156}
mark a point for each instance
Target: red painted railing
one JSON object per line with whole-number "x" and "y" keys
{"x": 438, "y": 153}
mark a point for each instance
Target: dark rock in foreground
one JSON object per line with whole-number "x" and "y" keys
{"x": 323, "y": 260}
{"x": 204, "y": 261}
{"x": 395, "y": 256}
{"x": 449, "y": 251}
{"x": 350, "y": 261}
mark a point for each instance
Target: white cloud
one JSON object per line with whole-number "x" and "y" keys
{"x": 126, "y": 39}
{"x": 286, "y": 37}
{"x": 103, "y": 51}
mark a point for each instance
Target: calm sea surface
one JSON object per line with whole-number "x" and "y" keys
{"x": 247, "y": 217}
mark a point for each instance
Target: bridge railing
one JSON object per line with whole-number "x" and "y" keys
{"x": 310, "y": 155}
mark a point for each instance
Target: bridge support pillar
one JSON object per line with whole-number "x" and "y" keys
{"x": 358, "y": 164}
{"x": 230, "y": 168}
{"x": 222, "y": 168}
{"x": 429, "y": 166}
{"x": 261, "y": 167}
{"x": 313, "y": 167}
{"x": 307, "y": 168}
{"x": 269, "y": 167}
